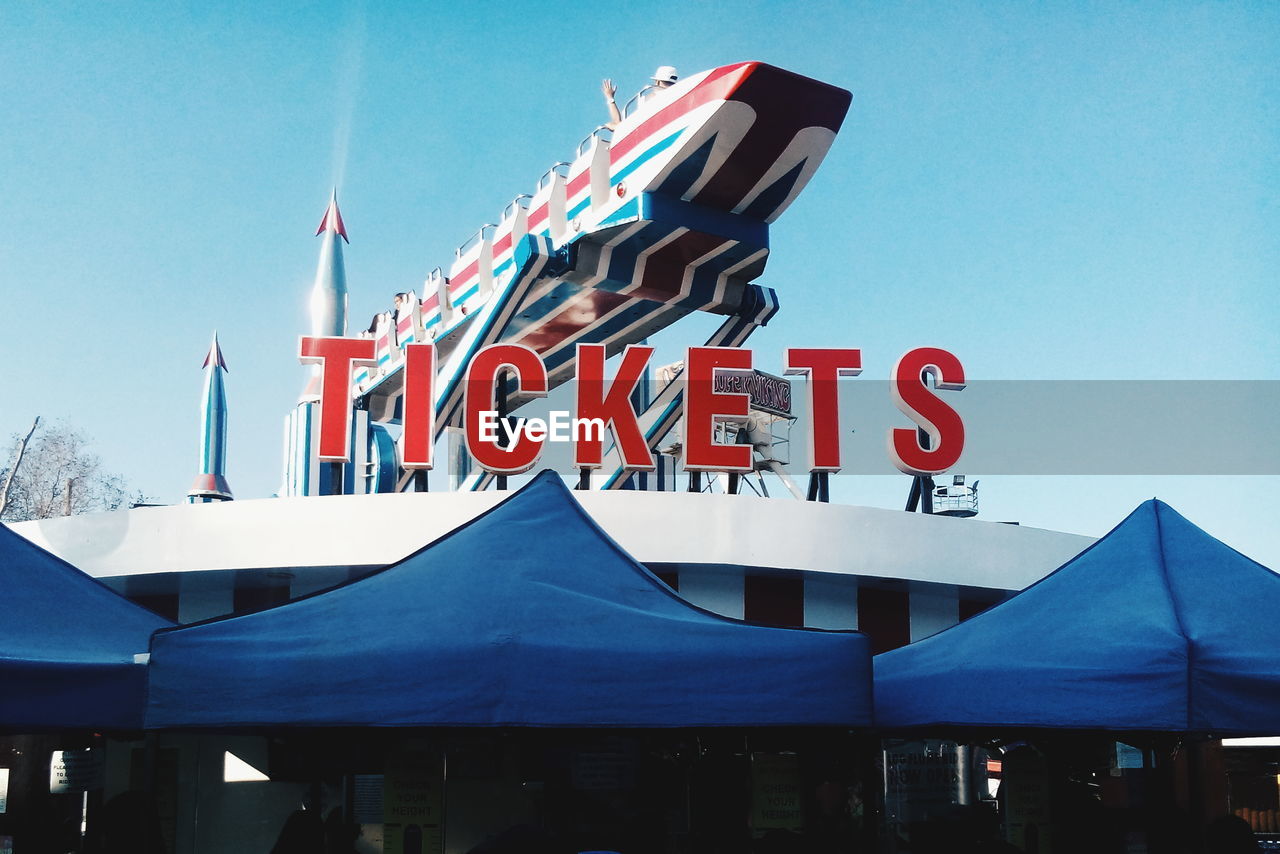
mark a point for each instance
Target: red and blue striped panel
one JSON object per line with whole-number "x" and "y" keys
{"x": 430, "y": 313}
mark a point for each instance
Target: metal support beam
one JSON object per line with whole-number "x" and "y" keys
{"x": 819, "y": 487}
{"x": 921, "y": 485}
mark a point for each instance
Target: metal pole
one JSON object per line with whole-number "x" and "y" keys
{"x": 921, "y": 485}
{"x": 819, "y": 487}
{"x": 913, "y": 498}
{"x": 777, "y": 469}
{"x": 964, "y": 774}
{"x": 500, "y": 481}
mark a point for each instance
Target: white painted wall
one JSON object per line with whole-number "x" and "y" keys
{"x": 718, "y": 589}
{"x": 830, "y": 601}
{"x": 932, "y": 607}
{"x": 202, "y": 595}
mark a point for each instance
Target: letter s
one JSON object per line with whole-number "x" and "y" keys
{"x": 918, "y": 402}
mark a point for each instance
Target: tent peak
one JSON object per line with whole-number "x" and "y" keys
{"x": 1157, "y": 626}
{"x": 529, "y": 614}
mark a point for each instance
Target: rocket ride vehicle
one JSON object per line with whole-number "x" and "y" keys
{"x": 666, "y": 214}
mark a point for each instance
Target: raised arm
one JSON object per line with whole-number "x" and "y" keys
{"x": 609, "y": 90}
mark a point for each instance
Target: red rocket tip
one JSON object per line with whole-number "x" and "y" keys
{"x": 215, "y": 356}
{"x": 333, "y": 220}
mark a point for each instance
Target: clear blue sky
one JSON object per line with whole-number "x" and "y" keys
{"x": 1052, "y": 191}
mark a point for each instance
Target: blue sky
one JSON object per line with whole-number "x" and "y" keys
{"x": 1052, "y": 191}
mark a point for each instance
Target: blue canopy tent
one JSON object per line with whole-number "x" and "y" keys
{"x": 528, "y": 615}
{"x": 67, "y": 646}
{"x": 1157, "y": 626}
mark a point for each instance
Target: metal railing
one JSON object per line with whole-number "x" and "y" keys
{"x": 602, "y": 133}
{"x": 639, "y": 98}
{"x": 521, "y": 200}
{"x": 955, "y": 501}
{"x": 561, "y": 169}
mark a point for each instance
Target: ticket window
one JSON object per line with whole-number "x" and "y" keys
{"x": 1253, "y": 788}
{"x": 472, "y": 792}
{"x": 667, "y": 792}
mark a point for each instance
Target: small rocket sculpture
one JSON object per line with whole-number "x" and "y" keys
{"x": 211, "y": 484}
{"x": 329, "y": 293}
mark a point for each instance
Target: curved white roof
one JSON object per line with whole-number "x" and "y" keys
{"x": 657, "y": 528}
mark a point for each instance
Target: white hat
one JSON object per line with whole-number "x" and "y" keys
{"x": 665, "y": 74}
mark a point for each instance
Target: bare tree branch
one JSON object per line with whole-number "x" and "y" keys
{"x": 17, "y": 462}
{"x": 60, "y": 476}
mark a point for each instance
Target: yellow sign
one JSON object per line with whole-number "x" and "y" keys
{"x": 776, "y": 799}
{"x": 413, "y": 802}
{"x": 1025, "y": 785}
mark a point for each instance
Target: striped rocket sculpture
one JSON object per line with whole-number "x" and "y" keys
{"x": 211, "y": 484}
{"x": 329, "y": 292}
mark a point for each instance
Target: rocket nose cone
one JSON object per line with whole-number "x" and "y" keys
{"x": 332, "y": 220}
{"x": 214, "y": 356}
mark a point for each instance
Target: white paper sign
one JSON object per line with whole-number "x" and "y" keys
{"x": 4, "y": 789}
{"x": 75, "y": 771}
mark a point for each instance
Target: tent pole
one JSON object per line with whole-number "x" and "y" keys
{"x": 500, "y": 481}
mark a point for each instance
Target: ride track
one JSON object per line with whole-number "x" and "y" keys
{"x": 666, "y": 215}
